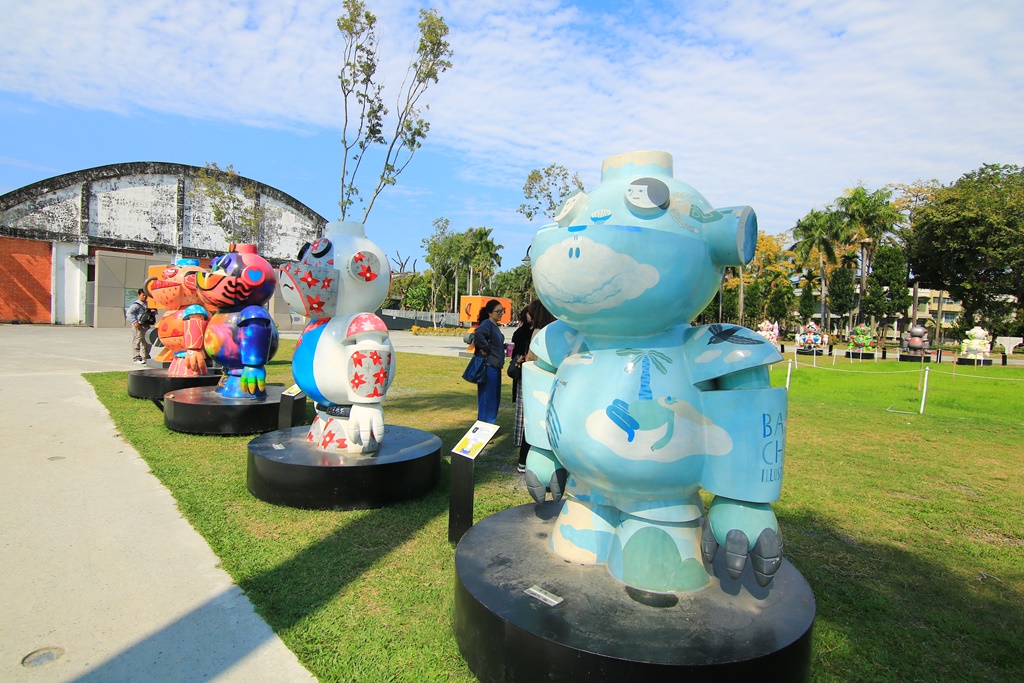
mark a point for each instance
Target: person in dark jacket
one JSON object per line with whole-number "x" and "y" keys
{"x": 135, "y": 313}
{"x": 490, "y": 342}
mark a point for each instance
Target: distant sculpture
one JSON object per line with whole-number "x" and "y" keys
{"x": 977, "y": 344}
{"x": 241, "y": 335}
{"x": 630, "y": 409}
{"x": 861, "y": 339}
{"x": 769, "y": 331}
{"x": 916, "y": 342}
{"x": 182, "y": 328}
{"x": 811, "y": 339}
{"x": 344, "y": 360}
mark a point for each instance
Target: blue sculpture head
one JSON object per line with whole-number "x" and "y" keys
{"x": 640, "y": 252}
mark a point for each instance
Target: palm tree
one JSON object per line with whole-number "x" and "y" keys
{"x": 871, "y": 217}
{"x": 819, "y": 231}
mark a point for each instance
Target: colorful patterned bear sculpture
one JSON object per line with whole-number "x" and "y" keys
{"x": 182, "y": 328}
{"x": 629, "y": 408}
{"x": 241, "y": 335}
{"x": 344, "y": 360}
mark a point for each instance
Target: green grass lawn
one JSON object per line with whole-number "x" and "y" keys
{"x": 909, "y": 528}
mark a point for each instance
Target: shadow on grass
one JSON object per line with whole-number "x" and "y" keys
{"x": 886, "y": 613}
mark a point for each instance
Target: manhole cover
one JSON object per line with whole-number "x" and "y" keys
{"x": 43, "y": 656}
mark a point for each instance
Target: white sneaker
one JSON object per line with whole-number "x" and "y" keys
{"x": 139, "y": 361}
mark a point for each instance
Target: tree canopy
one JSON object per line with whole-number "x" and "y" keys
{"x": 969, "y": 240}
{"x": 234, "y": 203}
{"x": 545, "y": 189}
{"x": 364, "y": 110}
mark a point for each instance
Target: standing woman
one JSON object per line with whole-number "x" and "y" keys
{"x": 490, "y": 342}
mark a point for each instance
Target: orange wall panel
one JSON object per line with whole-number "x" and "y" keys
{"x": 25, "y": 281}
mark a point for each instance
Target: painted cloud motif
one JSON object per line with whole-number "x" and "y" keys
{"x": 587, "y": 277}
{"x": 692, "y": 434}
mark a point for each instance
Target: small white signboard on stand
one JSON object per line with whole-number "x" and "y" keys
{"x": 475, "y": 439}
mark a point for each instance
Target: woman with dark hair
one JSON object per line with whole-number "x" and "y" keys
{"x": 539, "y": 317}
{"x": 520, "y": 347}
{"x": 490, "y": 342}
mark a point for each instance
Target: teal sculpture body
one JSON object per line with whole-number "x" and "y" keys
{"x": 630, "y": 409}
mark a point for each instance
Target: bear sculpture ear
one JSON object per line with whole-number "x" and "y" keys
{"x": 732, "y": 238}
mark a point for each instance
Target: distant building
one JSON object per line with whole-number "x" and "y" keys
{"x": 933, "y": 305}
{"x": 75, "y": 248}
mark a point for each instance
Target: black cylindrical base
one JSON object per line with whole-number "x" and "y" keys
{"x": 604, "y": 631}
{"x": 971, "y": 361}
{"x": 153, "y": 383}
{"x": 810, "y": 352}
{"x": 861, "y": 355}
{"x": 285, "y": 469}
{"x": 201, "y": 410}
{"x": 909, "y": 358}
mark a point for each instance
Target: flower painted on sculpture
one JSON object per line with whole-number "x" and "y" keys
{"x": 367, "y": 274}
{"x": 357, "y": 359}
{"x": 326, "y": 284}
{"x": 316, "y": 304}
{"x": 380, "y": 376}
{"x": 357, "y": 380}
{"x": 309, "y": 279}
{"x": 327, "y": 439}
{"x": 374, "y": 357}
{"x": 375, "y": 393}
{"x": 341, "y": 442}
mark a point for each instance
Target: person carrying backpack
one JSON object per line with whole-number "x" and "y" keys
{"x": 142, "y": 318}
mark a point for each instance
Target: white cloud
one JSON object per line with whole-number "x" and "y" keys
{"x": 779, "y": 105}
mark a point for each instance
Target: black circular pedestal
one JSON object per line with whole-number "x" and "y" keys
{"x": 910, "y": 358}
{"x": 861, "y": 355}
{"x": 285, "y": 469}
{"x": 810, "y": 352}
{"x": 961, "y": 360}
{"x": 153, "y": 383}
{"x": 605, "y": 631}
{"x": 201, "y": 410}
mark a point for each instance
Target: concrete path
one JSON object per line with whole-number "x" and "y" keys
{"x": 96, "y": 561}
{"x": 98, "y": 569}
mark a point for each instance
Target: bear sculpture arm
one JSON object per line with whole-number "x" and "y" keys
{"x": 748, "y": 478}
{"x": 255, "y": 336}
{"x": 371, "y": 368}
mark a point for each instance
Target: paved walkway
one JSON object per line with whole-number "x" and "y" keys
{"x": 100, "y": 570}
{"x": 96, "y": 559}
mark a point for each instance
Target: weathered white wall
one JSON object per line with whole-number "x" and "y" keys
{"x": 57, "y": 212}
{"x": 141, "y": 208}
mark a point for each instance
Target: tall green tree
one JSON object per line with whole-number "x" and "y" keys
{"x": 870, "y": 217}
{"x": 888, "y": 294}
{"x": 234, "y": 202}
{"x": 481, "y": 256}
{"x": 515, "y": 284}
{"x": 443, "y": 248}
{"x": 969, "y": 240}
{"x": 806, "y": 304}
{"x": 817, "y": 235}
{"x": 780, "y": 302}
{"x": 364, "y": 110}
{"x": 842, "y": 292}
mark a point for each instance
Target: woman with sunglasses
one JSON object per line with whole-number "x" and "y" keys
{"x": 490, "y": 342}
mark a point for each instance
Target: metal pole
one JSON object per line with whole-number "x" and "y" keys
{"x": 924, "y": 396}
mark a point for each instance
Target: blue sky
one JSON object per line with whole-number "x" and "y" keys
{"x": 777, "y": 104}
